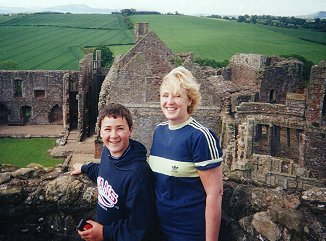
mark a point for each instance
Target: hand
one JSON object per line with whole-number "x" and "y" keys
{"x": 93, "y": 234}
{"x": 77, "y": 169}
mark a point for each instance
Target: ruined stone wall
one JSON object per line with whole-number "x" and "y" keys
{"x": 40, "y": 204}
{"x": 245, "y": 69}
{"x": 157, "y": 55}
{"x": 68, "y": 79}
{"x": 85, "y": 98}
{"x": 272, "y": 113}
{"x": 316, "y": 95}
{"x": 314, "y": 153}
{"x": 212, "y": 89}
{"x": 41, "y": 90}
{"x": 140, "y": 30}
{"x": 278, "y": 78}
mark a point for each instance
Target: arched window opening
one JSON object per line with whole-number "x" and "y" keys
{"x": 56, "y": 116}
{"x": 272, "y": 97}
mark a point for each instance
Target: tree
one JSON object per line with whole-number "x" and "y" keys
{"x": 241, "y": 18}
{"x": 106, "y": 55}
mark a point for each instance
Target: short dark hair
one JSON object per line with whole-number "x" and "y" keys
{"x": 115, "y": 110}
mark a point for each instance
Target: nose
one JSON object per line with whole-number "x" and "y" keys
{"x": 170, "y": 99}
{"x": 114, "y": 133}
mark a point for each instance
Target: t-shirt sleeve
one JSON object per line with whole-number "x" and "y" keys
{"x": 207, "y": 152}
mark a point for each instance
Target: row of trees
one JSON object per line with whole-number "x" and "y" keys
{"x": 132, "y": 11}
{"x": 288, "y": 22}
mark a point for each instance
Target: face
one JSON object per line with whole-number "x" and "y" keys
{"x": 175, "y": 107}
{"x": 115, "y": 134}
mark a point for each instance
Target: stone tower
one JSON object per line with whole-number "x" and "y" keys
{"x": 141, "y": 29}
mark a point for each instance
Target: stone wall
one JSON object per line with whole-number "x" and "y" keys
{"x": 316, "y": 96}
{"x": 86, "y": 98}
{"x": 314, "y": 153}
{"x": 41, "y": 91}
{"x": 280, "y": 77}
{"x": 273, "y": 113}
{"x": 245, "y": 69}
{"x": 45, "y": 97}
{"x": 40, "y": 204}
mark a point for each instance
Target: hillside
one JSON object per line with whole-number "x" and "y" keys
{"x": 320, "y": 14}
{"x": 220, "y": 39}
{"x": 59, "y": 41}
{"x": 74, "y": 8}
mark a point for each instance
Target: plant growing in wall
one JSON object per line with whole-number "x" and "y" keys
{"x": 211, "y": 62}
{"x": 106, "y": 55}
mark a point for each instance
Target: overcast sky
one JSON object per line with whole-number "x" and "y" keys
{"x": 222, "y": 7}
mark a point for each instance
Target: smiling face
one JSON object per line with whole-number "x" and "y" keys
{"x": 174, "y": 105}
{"x": 115, "y": 133}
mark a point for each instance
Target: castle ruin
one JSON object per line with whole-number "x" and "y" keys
{"x": 50, "y": 97}
{"x": 272, "y": 128}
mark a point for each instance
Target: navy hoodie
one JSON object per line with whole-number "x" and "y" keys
{"x": 126, "y": 202}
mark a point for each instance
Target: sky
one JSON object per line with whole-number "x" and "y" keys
{"x": 190, "y": 7}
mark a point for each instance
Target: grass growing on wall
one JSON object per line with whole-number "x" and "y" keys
{"x": 21, "y": 152}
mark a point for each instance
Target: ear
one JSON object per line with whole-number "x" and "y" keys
{"x": 130, "y": 131}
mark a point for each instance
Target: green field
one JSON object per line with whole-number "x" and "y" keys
{"x": 21, "y": 152}
{"x": 59, "y": 41}
{"x": 220, "y": 39}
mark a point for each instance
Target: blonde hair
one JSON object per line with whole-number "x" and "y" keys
{"x": 178, "y": 78}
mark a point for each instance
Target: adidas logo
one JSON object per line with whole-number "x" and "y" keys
{"x": 174, "y": 169}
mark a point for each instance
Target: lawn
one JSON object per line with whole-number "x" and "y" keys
{"x": 21, "y": 152}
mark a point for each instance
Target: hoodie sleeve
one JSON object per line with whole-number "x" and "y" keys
{"x": 91, "y": 170}
{"x": 141, "y": 220}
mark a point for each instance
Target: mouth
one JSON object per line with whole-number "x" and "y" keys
{"x": 114, "y": 142}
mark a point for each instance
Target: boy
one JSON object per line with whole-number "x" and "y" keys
{"x": 125, "y": 209}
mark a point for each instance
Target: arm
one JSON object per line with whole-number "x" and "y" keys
{"x": 213, "y": 184}
{"x": 91, "y": 170}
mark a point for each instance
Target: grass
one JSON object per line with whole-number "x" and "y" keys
{"x": 21, "y": 152}
{"x": 59, "y": 41}
{"x": 220, "y": 39}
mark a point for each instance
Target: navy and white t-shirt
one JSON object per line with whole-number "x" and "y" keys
{"x": 176, "y": 155}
